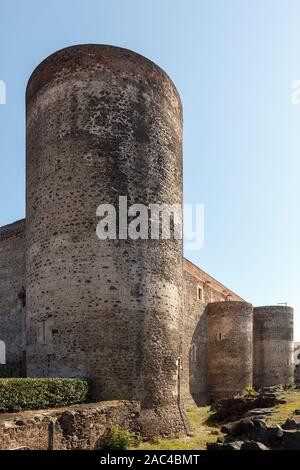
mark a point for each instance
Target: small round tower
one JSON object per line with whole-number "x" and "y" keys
{"x": 229, "y": 348}
{"x": 273, "y": 345}
{"x": 104, "y": 122}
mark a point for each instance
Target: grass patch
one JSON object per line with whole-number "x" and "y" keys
{"x": 202, "y": 433}
{"x": 282, "y": 412}
{"x": 206, "y": 430}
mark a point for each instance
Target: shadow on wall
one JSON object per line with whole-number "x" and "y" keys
{"x": 198, "y": 362}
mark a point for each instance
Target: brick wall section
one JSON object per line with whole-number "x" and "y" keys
{"x": 12, "y": 284}
{"x": 80, "y": 427}
{"x": 195, "y": 330}
{"x": 103, "y": 122}
{"x": 273, "y": 345}
{"x": 230, "y": 348}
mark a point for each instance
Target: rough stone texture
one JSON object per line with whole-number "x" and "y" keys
{"x": 272, "y": 346}
{"x": 12, "y": 293}
{"x": 253, "y": 445}
{"x": 224, "y": 446}
{"x": 229, "y": 348}
{"x": 237, "y": 428}
{"x": 256, "y": 434}
{"x": 257, "y": 405}
{"x": 80, "y": 427}
{"x": 103, "y": 122}
{"x": 195, "y": 329}
{"x": 292, "y": 423}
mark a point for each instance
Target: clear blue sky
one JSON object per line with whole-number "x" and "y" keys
{"x": 233, "y": 62}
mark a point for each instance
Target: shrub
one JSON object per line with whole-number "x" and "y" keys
{"x": 33, "y": 394}
{"x": 119, "y": 439}
{"x": 11, "y": 370}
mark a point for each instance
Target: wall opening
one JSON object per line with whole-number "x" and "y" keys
{"x": 200, "y": 293}
{"x": 193, "y": 353}
{"x": 2, "y": 353}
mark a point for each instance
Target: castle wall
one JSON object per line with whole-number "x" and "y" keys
{"x": 12, "y": 299}
{"x": 104, "y": 122}
{"x": 195, "y": 388}
{"x": 230, "y": 348}
{"x": 273, "y": 345}
{"x": 272, "y": 326}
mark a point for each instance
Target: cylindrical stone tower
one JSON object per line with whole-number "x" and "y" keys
{"x": 273, "y": 330}
{"x": 229, "y": 348}
{"x": 104, "y": 122}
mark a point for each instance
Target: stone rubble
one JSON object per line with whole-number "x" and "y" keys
{"x": 253, "y": 433}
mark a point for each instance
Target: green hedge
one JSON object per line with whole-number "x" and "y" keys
{"x": 33, "y": 394}
{"x": 11, "y": 370}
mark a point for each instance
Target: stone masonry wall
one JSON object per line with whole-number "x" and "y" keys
{"x": 104, "y": 122}
{"x": 195, "y": 329}
{"x": 194, "y": 386}
{"x": 80, "y": 427}
{"x": 273, "y": 345}
{"x": 230, "y": 348}
{"x": 12, "y": 293}
{"x": 194, "y": 379}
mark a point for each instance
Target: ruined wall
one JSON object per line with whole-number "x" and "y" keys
{"x": 230, "y": 348}
{"x": 273, "y": 345}
{"x": 103, "y": 122}
{"x": 195, "y": 333}
{"x": 12, "y": 298}
{"x": 79, "y": 427}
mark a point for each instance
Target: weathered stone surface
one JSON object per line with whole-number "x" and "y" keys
{"x": 80, "y": 427}
{"x": 273, "y": 346}
{"x": 229, "y": 348}
{"x": 195, "y": 329}
{"x": 255, "y": 430}
{"x": 258, "y": 413}
{"x": 104, "y": 122}
{"x": 232, "y": 409}
{"x": 224, "y": 446}
{"x": 292, "y": 423}
{"x": 12, "y": 297}
{"x": 261, "y": 436}
{"x": 243, "y": 426}
{"x": 273, "y": 436}
{"x": 290, "y": 439}
{"x": 258, "y": 433}
{"x": 253, "y": 445}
